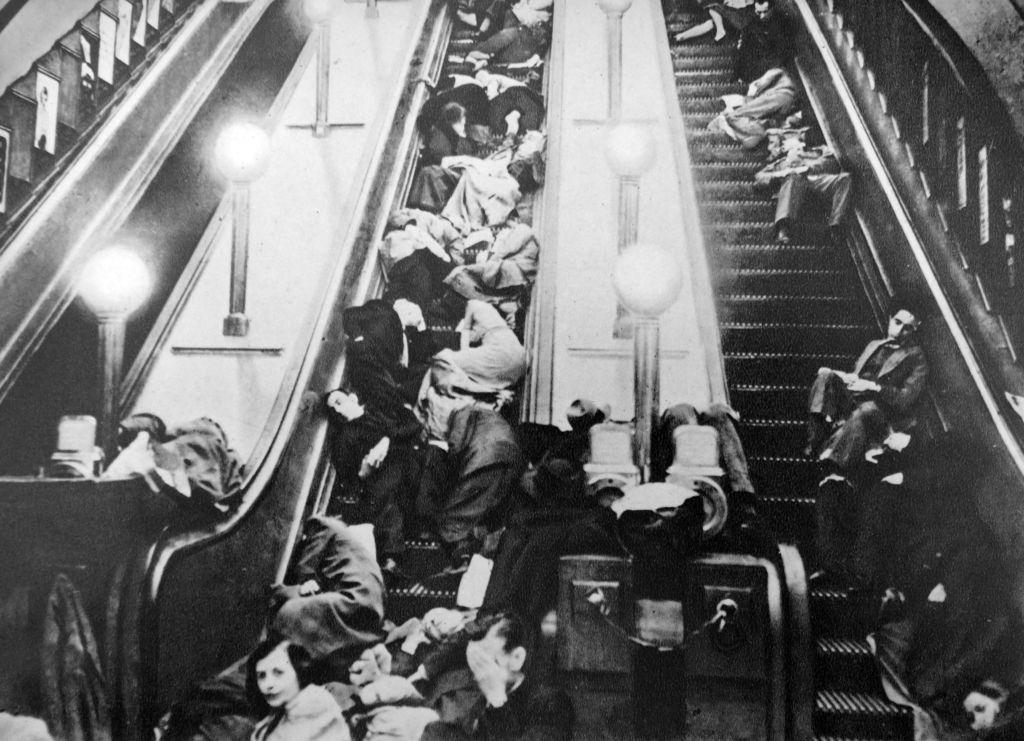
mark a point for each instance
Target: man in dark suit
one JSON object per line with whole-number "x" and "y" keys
{"x": 852, "y": 412}
{"x": 849, "y": 411}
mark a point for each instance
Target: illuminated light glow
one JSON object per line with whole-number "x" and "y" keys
{"x": 615, "y": 6}
{"x": 115, "y": 281}
{"x": 318, "y": 11}
{"x": 647, "y": 279}
{"x": 629, "y": 149}
{"x": 242, "y": 151}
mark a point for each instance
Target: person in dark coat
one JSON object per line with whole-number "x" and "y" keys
{"x": 215, "y": 472}
{"x": 849, "y": 411}
{"x": 446, "y": 137}
{"x": 379, "y": 458}
{"x": 487, "y": 465}
{"x": 335, "y": 608}
{"x": 764, "y": 42}
{"x": 374, "y": 348}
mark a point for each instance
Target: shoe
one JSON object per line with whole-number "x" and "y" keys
{"x": 782, "y": 235}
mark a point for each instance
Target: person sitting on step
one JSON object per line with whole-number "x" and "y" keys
{"x": 849, "y": 411}
{"x": 804, "y": 171}
{"x": 764, "y": 42}
{"x": 736, "y": 13}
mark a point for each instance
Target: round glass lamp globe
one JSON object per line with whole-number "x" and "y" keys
{"x": 242, "y": 151}
{"x": 614, "y": 6}
{"x": 629, "y": 149}
{"x": 114, "y": 281}
{"x": 647, "y": 279}
{"x": 318, "y": 11}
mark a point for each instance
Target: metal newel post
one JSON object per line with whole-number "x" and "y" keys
{"x": 646, "y": 387}
{"x": 236, "y": 323}
{"x": 110, "y": 335}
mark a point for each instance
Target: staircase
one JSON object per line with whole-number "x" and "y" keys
{"x": 785, "y": 311}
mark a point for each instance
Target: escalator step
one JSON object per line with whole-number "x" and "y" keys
{"x": 844, "y": 738}
{"x": 691, "y": 89}
{"x": 781, "y": 367}
{"x": 771, "y": 401}
{"x": 747, "y": 209}
{"x": 779, "y": 437}
{"x": 808, "y": 337}
{"x": 790, "y": 518}
{"x": 707, "y": 171}
{"x": 703, "y": 63}
{"x": 782, "y": 475}
{"x": 702, "y": 150}
{"x": 699, "y": 47}
{"x": 839, "y": 612}
{"x": 702, "y": 104}
{"x": 730, "y": 190}
{"x": 408, "y": 602}
{"x": 686, "y": 74}
{"x": 749, "y": 308}
{"x": 778, "y": 256}
{"x": 845, "y": 664}
{"x": 859, "y": 714}
{"x": 741, "y": 232}
{"x": 695, "y": 121}
{"x": 779, "y": 282}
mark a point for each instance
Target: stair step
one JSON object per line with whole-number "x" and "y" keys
{"x": 686, "y": 88}
{"x": 781, "y": 367}
{"x": 704, "y": 47}
{"x": 779, "y": 256}
{"x": 711, "y": 104}
{"x": 790, "y": 518}
{"x": 772, "y": 401}
{"x": 708, "y": 171}
{"x": 731, "y": 190}
{"x": 784, "y": 475}
{"x": 715, "y": 63}
{"x": 844, "y": 613}
{"x": 779, "y": 437}
{"x": 699, "y": 120}
{"x": 803, "y": 338}
{"x": 858, "y": 714}
{"x": 845, "y": 664}
{"x": 707, "y": 146}
{"x": 740, "y": 232}
{"x": 407, "y": 602}
{"x": 687, "y": 74}
{"x": 787, "y": 282}
{"x": 748, "y": 209}
{"x": 735, "y": 307}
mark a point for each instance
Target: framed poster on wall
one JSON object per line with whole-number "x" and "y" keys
{"x": 108, "y": 36}
{"x": 123, "y": 43}
{"x": 5, "y": 147}
{"x": 47, "y": 89}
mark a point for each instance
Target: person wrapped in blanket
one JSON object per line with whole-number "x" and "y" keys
{"x": 191, "y": 462}
{"x": 746, "y": 119}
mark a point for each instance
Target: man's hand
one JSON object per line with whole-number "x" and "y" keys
{"x": 373, "y": 460}
{"x": 489, "y": 675}
{"x": 860, "y": 386}
{"x": 309, "y": 587}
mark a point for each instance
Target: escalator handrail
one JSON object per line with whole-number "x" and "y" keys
{"x": 903, "y": 217}
{"x": 278, "y": 436}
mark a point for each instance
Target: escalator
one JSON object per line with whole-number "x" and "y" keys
{"x": 784, "y": 311}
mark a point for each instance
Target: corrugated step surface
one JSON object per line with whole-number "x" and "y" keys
{"x": 784, "y": 311}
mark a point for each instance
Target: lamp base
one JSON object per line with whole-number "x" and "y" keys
{"x": 236, "y": 325}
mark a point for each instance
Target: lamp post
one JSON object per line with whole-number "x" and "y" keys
{"x": 319, "y": 13}
{"x": 629, "y": 150}
{"x": 114, "y": 283}
{"x": 647, "y": 280}
{"x": 242, "y": 155}
{"x": 614, "y": 10}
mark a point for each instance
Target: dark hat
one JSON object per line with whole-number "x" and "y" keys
{"x": 554, "y": 478}
{"x": 584, "y": 414}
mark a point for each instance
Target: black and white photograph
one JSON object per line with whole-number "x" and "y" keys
{"x": 500, "y": 370}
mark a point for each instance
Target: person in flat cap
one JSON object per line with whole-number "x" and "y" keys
{"x": 538, "y": 441}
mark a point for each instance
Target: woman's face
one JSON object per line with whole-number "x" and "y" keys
{"x": 347, "y": 405}
{"x": 276, "y": 677}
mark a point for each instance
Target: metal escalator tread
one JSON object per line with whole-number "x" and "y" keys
{"x": 853, "y": 647}
{"x": 849, "y": 703}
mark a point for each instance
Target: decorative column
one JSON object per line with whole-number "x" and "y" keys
{"x": 614, "y": 10}
{"x": 242, "y": 155}
{"x": 114, "y": 283}
{"x": 319, "y": 13}
{"x": 647, "y": 280}
{"x": 629, "y": 150}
